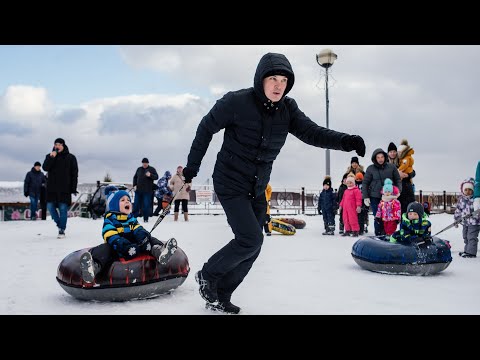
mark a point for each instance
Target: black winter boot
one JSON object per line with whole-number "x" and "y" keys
{"x": 225, "y": 307}
{"x": 208, "y": 289}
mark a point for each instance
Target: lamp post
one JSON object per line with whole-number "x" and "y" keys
{"x": 325, "y": 59}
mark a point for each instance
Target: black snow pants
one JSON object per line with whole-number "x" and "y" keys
{"x": 230, "y": 265}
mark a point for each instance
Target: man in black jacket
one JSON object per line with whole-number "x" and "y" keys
{"x": 62, "y": 181}
{"x": 143, "y": 185}
{"x": 256, "y": 121}
{"x": 32, "y": 187}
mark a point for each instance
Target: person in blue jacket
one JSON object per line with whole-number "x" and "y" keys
{"x": 257, "y": 121}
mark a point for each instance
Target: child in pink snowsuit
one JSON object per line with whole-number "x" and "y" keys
{"x": 389, "y": 209}
{"x": 352, "y": 205}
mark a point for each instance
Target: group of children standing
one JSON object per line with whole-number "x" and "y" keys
{"x": 415, "y": 225}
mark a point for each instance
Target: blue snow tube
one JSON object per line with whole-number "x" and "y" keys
{"x": 376, "y": 253}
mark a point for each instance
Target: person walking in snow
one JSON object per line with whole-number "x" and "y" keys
{"x": 62, "y": 180}
{"x": 124, "y": 238}
{"x": 471, "y": 226}
{"x": 257, "y": 121}
{"x": 33, "y": 185}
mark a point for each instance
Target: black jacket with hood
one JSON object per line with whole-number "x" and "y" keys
{"x": 62, "y": 177}
{"x": 376, "y": 174}
{"x": 255, "y": 131}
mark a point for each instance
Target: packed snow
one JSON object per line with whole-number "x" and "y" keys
{"x": 306, "y": 273}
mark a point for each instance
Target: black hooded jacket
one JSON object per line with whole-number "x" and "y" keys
{"x": 255, "y": 131}
{"x": 376, "y": 174}
{"x": 62, "y": 177}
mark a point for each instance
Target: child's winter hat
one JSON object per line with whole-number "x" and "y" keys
{"x": 327, "y": 181}
{"x": 37, "y": 163}
{"x": 467, "y": 184}
{"x": 359, "y": 176}
{"x": 415, "y": 207}
{"x": 387, "y": 186}
{"x": 114, "y": 195}
{"x": 351, "y": 177}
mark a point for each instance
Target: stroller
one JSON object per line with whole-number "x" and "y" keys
{"x": 97, "y": 204}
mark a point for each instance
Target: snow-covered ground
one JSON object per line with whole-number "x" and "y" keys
{"x": 302, "y": 274}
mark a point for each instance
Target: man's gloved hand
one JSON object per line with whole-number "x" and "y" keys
{"x": 367, "y": 202}
{"x": 26, "y": 194}
{"x": 189, "y": 174}
{"x": 354, "y": 142}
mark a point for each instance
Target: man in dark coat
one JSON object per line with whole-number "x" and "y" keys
{"x": 62, "y": 181}
{"x": 373, "y": 182}
{"x": 257, "y": 121}
{"x": 143, "y": 184}
{"x": 32, "y": 187}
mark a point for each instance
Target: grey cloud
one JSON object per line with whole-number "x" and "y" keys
{"x": 70, "y": 116}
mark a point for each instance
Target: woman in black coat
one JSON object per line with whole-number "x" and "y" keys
{"x": 257, "y": 121}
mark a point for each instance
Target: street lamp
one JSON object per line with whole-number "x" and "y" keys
{"x": 325, "y": 59}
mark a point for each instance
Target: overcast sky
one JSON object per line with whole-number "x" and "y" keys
{"x": 114, "y": 105}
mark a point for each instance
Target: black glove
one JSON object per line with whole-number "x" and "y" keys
{"x": 354, "y": 142}
{"x": 189, "y": 174}
{"x": 26, "y": 194}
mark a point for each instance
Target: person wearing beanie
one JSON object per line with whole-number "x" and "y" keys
{"x": 256, "y": 122}
{"x": 123, "y": 238}
{"x": 33, "y": 185}
{"x": 373, "y": 182}
{"x": 415, "y": 227}
{"x": 327, "y": 206}
{"x": 355, "y": 167}
{"x": 62, "y": 180}
{"x": 351, "y": 206}
{"x": 471, "y": 225}
{"x": 143, "y": 182}
{"x": 389, "y": 210}
{"x": 405, "y": 169}
{"x": 163, "y": 194}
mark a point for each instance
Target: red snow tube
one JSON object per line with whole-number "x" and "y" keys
{"x": 297, "y": 223}
{"x": 139, "y": 278}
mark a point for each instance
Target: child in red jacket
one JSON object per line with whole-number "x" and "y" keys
{"x": 351, "y": 205}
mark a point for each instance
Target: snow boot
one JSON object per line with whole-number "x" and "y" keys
{"x": 88, "y": 267}
{"x": 208, "y": 289}
{"x": 164, "y": 252}
{"x": 467, "y": 255}
{"x": 224, "y": 306}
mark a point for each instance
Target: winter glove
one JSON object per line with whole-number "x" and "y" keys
{"x": 354, "y": 142}
{"x": 367, "y": 202}
{"x": 476, "y": 204}
{"x": 26, "y": 194}
{"x": 359, "y": 209}
{"x": 189, "y": 174}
